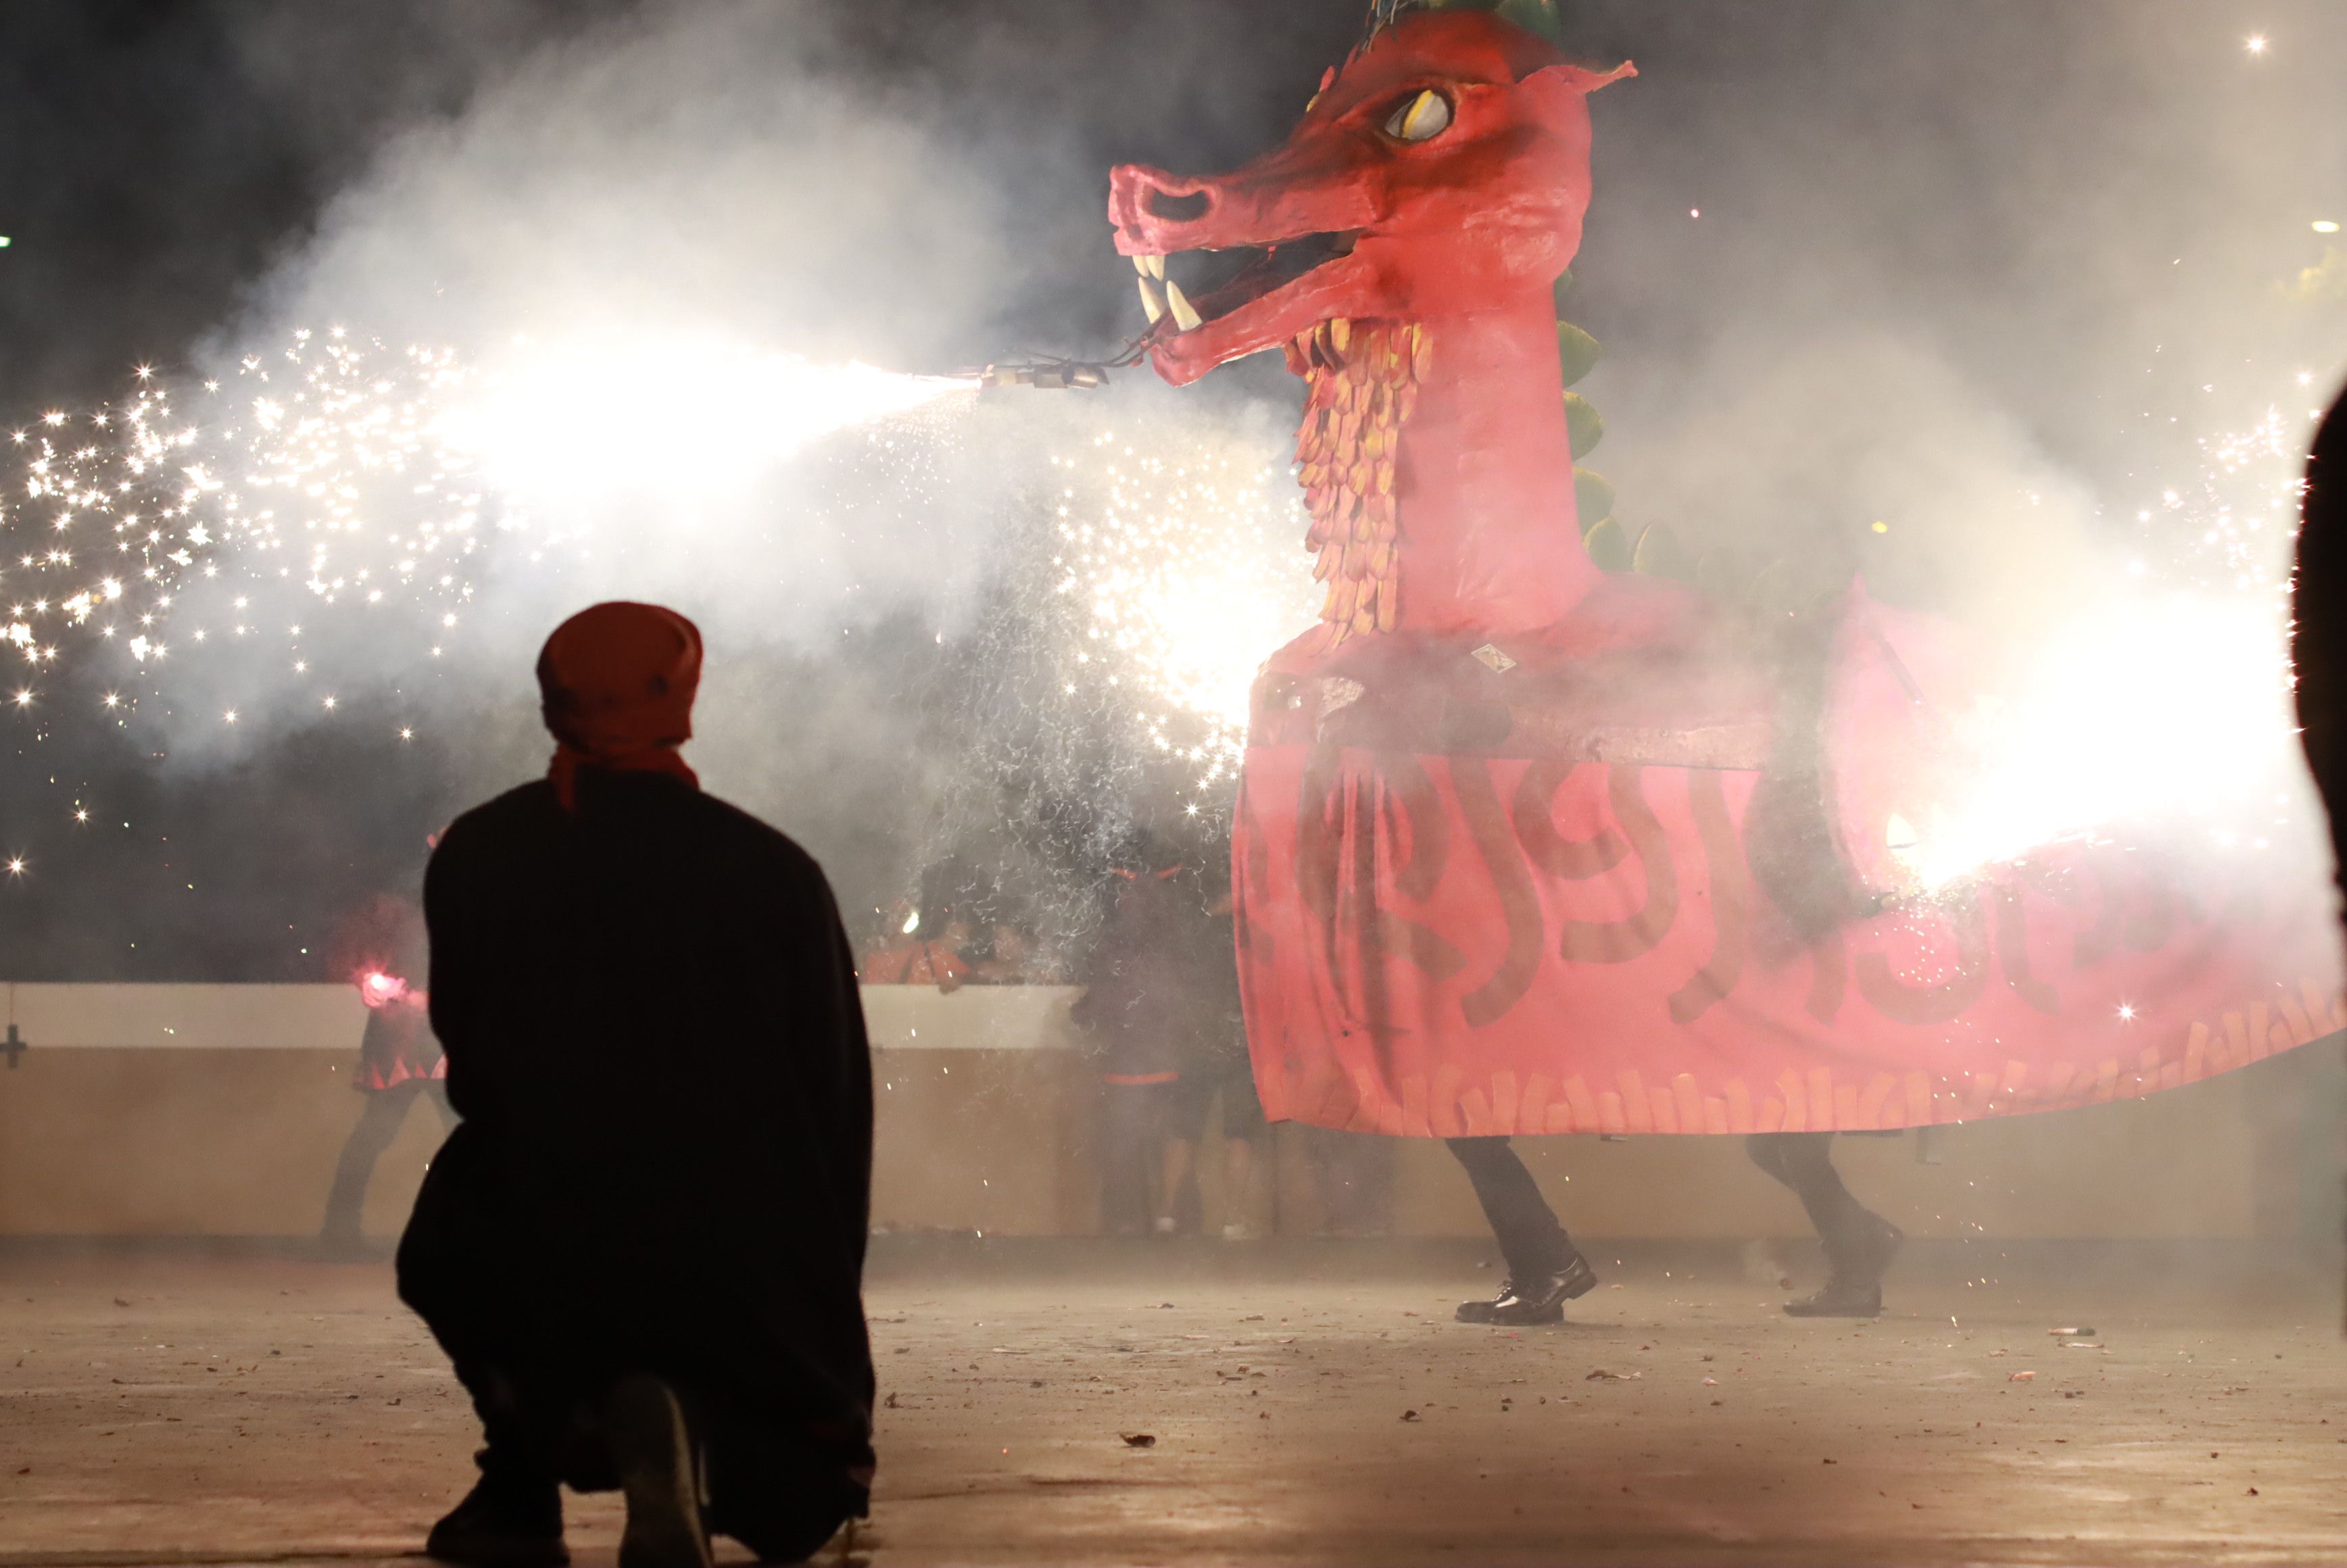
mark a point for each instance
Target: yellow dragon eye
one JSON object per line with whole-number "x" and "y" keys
{"x": 1424, "y": 116}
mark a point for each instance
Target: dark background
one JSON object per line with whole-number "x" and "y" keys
{"x": 2045, "y": 193}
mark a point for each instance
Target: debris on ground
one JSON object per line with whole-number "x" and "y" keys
{"x": 2071, "y": 1332}
{"x": 2022, "y": 1377}
{"x": 1139, "y": 1439}
{"x": 1602, "y": 1376}
{"x": 1409, "y": 1414}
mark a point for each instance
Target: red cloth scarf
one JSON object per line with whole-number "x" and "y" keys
{"x": 616, "y": 683}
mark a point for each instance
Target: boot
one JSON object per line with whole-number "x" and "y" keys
{"x": 504, "y": 1521}
{"x": 1540, "y": 1299}
{"x": 1857, "y": 1260}
{"x": 643, "y": 1427}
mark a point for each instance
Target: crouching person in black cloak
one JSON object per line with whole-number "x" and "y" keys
{"x": 643, "y": 1246}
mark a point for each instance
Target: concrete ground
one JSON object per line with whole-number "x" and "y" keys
{"x": 1307, "y": 1402}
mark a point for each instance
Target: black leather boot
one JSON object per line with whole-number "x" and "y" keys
{"x": 1856, "y": 1261}
{"x": 1539, "y": 1298}
{"x": 507, "y": 1520}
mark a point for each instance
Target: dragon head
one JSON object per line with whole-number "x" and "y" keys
{"x": 1442, "y": 171}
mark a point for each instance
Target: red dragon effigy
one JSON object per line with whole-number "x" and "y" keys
{"x": 1525, "y": 846}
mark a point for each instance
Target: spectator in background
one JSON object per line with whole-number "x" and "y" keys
{"x": 927, "y": 949}
{"x": 1161, "y": 1015}
{"x": 1131, "y": 1012}
{"x": 643, "y": 1247}
{"x": 1214, "y": 1065}
{"x": 383, "y": 951}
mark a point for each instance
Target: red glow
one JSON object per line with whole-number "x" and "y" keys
{"x": 380, "y": 990}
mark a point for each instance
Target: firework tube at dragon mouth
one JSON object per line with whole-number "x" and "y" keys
{"x": 1526, "y": 844}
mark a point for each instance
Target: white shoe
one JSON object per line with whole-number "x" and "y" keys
{"x": 1239, "y": 1230}
{"x": 1164, "y": 1225}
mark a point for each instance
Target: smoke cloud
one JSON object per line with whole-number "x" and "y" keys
{"x": 2002, "y": 279}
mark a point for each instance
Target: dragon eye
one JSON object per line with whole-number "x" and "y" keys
{"x": 1423, "y": 117}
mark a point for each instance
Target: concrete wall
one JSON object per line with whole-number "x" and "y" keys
{"x": 195, "y": 1110}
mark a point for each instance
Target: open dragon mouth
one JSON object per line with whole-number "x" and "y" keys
{"x": 1223, "y": 279}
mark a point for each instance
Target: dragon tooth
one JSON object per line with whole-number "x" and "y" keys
{"x": 1140, "y": 264}
{"x": 1185, "y": 314}
{"x": 1157, "y": 266}
{"x": 1150, "y": 301}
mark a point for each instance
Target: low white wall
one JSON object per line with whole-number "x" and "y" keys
{"x": 331, "y": 1017}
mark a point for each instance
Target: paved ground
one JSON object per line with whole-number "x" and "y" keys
{"x": 1307, "y": 1404}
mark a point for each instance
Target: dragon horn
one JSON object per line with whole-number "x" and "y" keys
{"x": 1538, "y": 17}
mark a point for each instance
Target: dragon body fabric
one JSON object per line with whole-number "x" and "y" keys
{"x": 1524, "y": 846}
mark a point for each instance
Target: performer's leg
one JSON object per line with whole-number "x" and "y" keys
{"x": 1544, "y": 1269}
{"x": 1126, "y": 1115}
{"x": 1858, "y": 1243}
{"x": 1178, "y": 1170}
{"x": 1185, "y": 1103}
{"x": 1245, "y": 1132}
{"x": 378, "y": 1124}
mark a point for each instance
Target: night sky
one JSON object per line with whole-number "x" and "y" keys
{"x": 2046, "y": 195}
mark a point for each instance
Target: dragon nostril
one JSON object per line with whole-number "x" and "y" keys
{"x": 1179, "y": 209}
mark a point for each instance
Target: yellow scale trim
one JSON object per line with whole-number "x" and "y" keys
{"x": 1362, "y": 378}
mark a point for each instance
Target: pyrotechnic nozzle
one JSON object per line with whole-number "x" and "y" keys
{"x": 1057, "y": 375}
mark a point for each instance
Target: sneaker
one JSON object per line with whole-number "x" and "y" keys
{"x": 502, "y": 1523}
{"x": 1165, "y": 1226}
{"x": 1540, "y": 1300}
{"x": 644, "y": 1426}
{"x": 1239, "y": 1230}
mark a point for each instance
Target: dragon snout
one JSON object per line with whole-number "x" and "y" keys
{"x": 1151, "y": 209}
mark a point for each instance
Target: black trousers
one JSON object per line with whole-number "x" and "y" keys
{"x": 1530, "y": 1240}
{"x": 379, "y": 1122}
{"x": 1804, "y": 1163}
{"x": 1534, "y": 1242}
